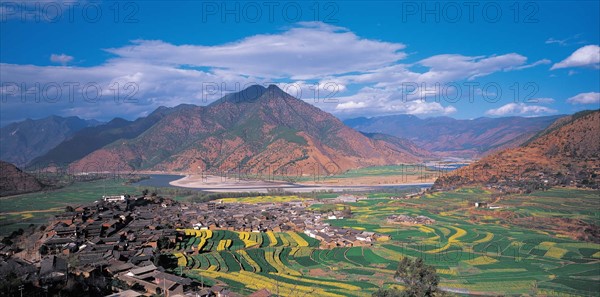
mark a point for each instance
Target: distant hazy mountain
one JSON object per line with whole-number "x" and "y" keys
{"x": 567, "y": 153}
{"x": 23, "y": 141}
{"x": 259, "y": 129}
{"x": 91, "y": 139}
{"x": 452, "y": 137}
{"x": 14, "y": 181}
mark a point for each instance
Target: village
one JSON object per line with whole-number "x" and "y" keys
{"x": 117, "y": 242}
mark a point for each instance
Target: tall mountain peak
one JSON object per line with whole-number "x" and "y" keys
{"x": 254, "y": 129}
{"x": 249, "y": 94}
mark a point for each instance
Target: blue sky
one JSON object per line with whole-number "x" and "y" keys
{"x": 460, "y": 59}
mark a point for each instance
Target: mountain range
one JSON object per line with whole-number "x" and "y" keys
{"x": 445, "y": 136}
{"x": 90, "y": 139}
{"x": 256, "y": 129}
{"x": 259, "y": 129}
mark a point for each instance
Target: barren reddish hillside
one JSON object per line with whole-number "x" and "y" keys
{"x": 567, "y": 152}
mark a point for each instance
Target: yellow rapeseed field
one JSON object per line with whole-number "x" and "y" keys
{"x": 299, "y": 240}
{"x": 555, "y": 252}
{"x": 483, "y": 260}
{"x": 452, "y": 239}
{"x": 272, "y": 238}
{"x": 488, "y": 237}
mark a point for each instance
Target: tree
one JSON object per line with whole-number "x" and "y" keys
{"x": 117, "y": 283}
{"x": 44, "y": 250}
{"x": 6, "y": 241}
{"x": 327, "y": 208}
{"x": 167, "y": 261}
{"x": 163, "y": 243}
{"x": 139, "y": 288}
{"x": 419, "y": 279}
{"x": 347, "y": 212}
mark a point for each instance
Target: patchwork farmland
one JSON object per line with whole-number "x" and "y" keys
{"x": 473, "y": 250}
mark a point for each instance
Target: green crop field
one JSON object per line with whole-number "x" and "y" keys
{"x": 19, "y": 211}
{"x": 385, "y": 171}
{"x": 473, "y": 252}
{"x": 34, "y": 208}
{"x": 374, "y": 171}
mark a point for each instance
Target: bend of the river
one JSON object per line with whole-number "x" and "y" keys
{"x": 175, "y": 181}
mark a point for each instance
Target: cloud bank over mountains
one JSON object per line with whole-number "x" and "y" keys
{"x": 329, "y": 66}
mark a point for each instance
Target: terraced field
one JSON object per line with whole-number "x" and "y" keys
{"x": 472, "y": 252}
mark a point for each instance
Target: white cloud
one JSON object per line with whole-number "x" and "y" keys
{"x": 309, "y": 51}
{"x": 62, "y": 58}
{"x": 541, "y": 100}
{"x": 421, "y": 108}
{"x": 564, "y": 42}
{"x": 552, "y": 40}
{"x": 442, "y": 70}
{"x": 143, "y": 86}
{"x": 445, "y": 68}
{"x": 305, "y": 54}
{"x": 540, "y": 62}
{"x": 377, "y": 101}
{"x": 585, "y": 98}
{"x": 351, "y": 105}
{"x": 587, "y": 56}
{"x": 519, "y": 109}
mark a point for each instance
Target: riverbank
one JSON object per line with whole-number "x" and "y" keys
{"x": 217, "y": 184}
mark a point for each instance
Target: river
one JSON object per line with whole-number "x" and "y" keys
{"x": 164, "y": 180}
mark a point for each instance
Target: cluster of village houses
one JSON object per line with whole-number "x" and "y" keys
{"x": 276, "y": 217}
{"x": 120, "y": 236}
{"x": 413, "y": 220}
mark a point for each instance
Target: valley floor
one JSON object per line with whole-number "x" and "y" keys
{"x": 521, "y": 244}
